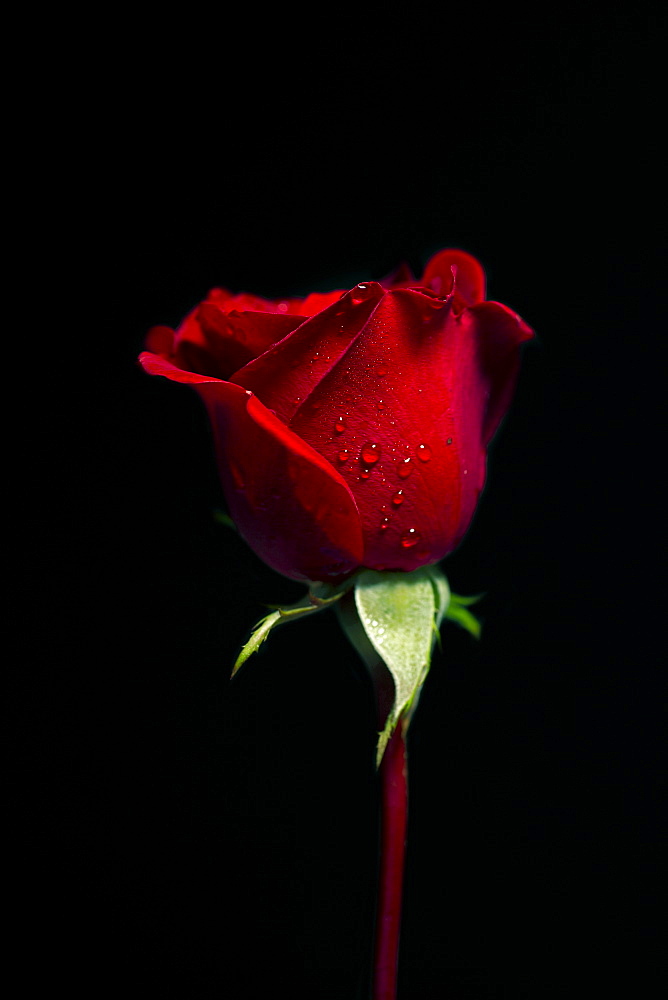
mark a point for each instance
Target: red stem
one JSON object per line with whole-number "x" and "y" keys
{"x": 394, "y": 815}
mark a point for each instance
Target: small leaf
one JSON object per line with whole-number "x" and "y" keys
{"x": 466, "y": 601}
{"x": 319, "y": 597}
{"x": 458, "y": 614}
{"x": 260, "y": 633}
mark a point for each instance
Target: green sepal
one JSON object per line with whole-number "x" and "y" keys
{"x": 458, "y": 612}
{"x": 400, "y": 614}
{"x": 222, "y": 517}
{"x": 319, "y": 597}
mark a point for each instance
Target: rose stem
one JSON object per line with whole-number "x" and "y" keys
{"x": 394, "y": 814}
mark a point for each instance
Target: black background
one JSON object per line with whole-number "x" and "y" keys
{"x": 183, "y": 836}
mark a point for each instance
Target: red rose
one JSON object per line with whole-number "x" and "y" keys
{"x": 351, "y": 427}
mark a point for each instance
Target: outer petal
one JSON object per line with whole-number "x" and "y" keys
{"x": 289, "y": 503}
{"x": 383, "y": 416}
{"x": 285, "y": 376}
{"x": 402, "y": 415}
{"x": 499, "y": 332}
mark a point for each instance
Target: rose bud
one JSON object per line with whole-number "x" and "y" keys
{"x": 351, "y": 428}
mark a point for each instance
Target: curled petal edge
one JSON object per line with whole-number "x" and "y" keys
{"x": 455, "y": 270}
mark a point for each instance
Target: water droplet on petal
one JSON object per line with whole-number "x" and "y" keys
{"x": 371, "y": 453}
{"x": 380, "y": 405}
{"x": 404, "y": 469}
{"x": 343, "y": 456}
{"x": 398, "y": 498}
{"x": 360, "y": 293}
{"x": 365, "y": 473}
{"x": 423, "y": 452}
{"x": 340, "y": 425}
{"x": 382, "y": 370}
{"x": 410, "y": 537}
{"x": 384, "y": 524}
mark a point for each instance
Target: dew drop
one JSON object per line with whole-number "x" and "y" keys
{"x": 343, "y": 456}
{"x": 384, "y": 524}
{"x": 404, "y": 469}
{"x": 410, "y": 538}
{"x": 340, "y": 425}
{"x": 381, "y": 370}
{"x": 365, "y": 473}
{"x": 380, "y": 405}
{"x": 398, "y": 498}
{"x": 371, "y": 453}
{"x": 360, "y": 293}
{"x": 423, "y": 452}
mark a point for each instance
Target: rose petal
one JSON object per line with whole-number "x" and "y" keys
{"x": 160, "y": 340}
{"x": 290, "y": 504}
{"x": 309, "y": 353}
{"x": 390, "y": 392}
{"x": 317, "y": 301}
{"x": 413, "y": 386}
{"x": 469, "y": 277}
{"x": 235, "y": 338}
{"x": 499, "y": 331}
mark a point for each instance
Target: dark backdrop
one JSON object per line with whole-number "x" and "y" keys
{"x": 185, "y": 836}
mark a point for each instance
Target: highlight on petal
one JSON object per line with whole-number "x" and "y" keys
{"x": 155, "y": 364}
{"x": 317, "y": 301}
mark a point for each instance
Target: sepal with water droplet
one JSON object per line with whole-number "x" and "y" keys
{"x": 393, "y": 626}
